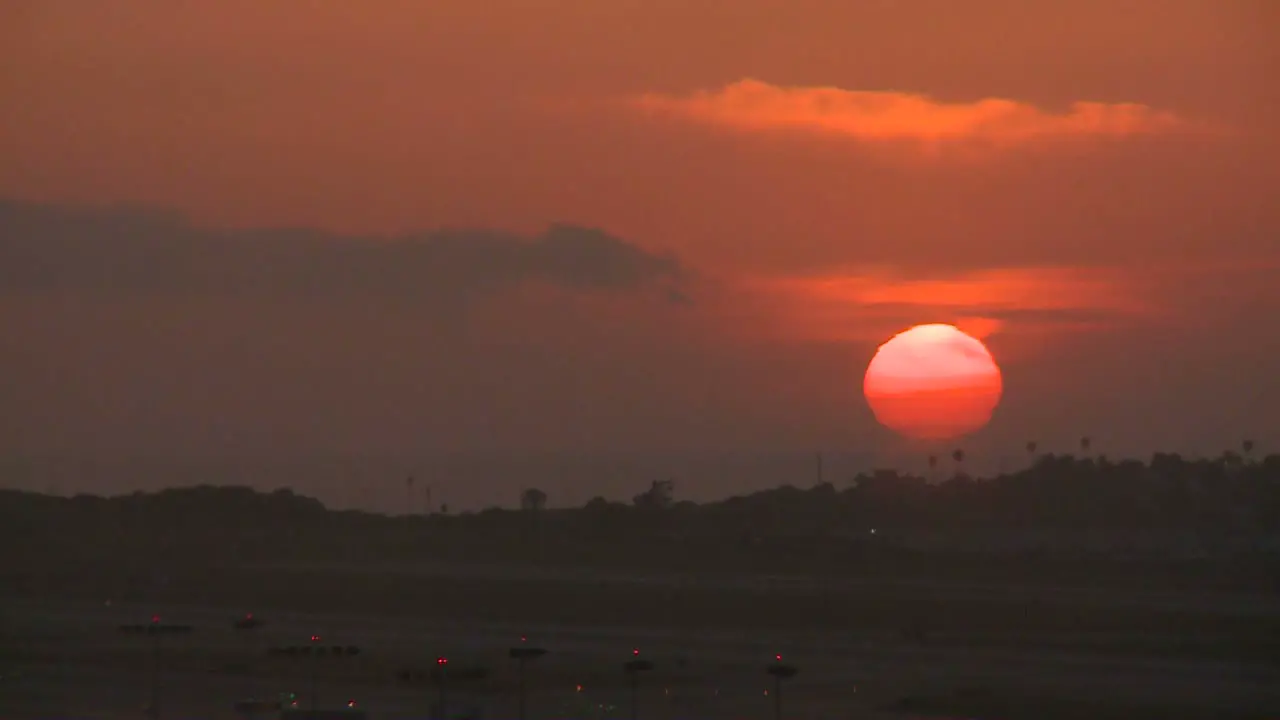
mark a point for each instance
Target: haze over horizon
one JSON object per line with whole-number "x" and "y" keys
{"x": 539, "y": 234}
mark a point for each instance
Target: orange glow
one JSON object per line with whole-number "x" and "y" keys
{"x": 878, "y": 115}
{"x": 865, "y": 305}
{"x": 933, "y": 382}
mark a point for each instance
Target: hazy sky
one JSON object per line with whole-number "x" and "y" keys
{"x": 529, "y": 226}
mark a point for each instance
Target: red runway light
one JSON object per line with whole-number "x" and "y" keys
{"x": 635, "y": 651}
{"x": 441, "y": 660}
{"x": 155, "y": 618}
{"x": 315, "y": 638}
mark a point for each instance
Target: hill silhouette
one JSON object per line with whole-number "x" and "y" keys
{"x": 1170, "y": 509}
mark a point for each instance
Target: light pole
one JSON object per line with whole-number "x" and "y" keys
{"x": 522, "y": 654}
{"x": 780, "y": 671}
{"x": 154, "y": 630}
{"x": 246, "y": 624}
{"x": 442, "y": 664}
{"x": 633, "y": 668}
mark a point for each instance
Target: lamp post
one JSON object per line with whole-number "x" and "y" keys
{"x": 633, "y": 668}
{"x": 522, "y": 654}
{"x": 780, "y": 671}
{"x": 442, "y": 665}
{"x": 155, "y": 630}
{"x": 246, "y": 624}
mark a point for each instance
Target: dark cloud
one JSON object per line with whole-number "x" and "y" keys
{"x": 134, "y": 251}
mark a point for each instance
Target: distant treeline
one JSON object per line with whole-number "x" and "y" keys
{"x": 1169, "y": 507}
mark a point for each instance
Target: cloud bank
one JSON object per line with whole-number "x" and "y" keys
{"x": 870, "y": 305}
{"x": 752, "y": 105}
{"x": 130, "y": 252}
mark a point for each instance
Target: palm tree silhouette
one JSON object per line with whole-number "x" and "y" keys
{"x": 1085, "y": 443}
{"x": 1031, "y": 450}
{"x": 958, "y": 456}
{"x": 1246, "y": 446}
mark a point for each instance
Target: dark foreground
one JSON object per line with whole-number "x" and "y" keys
{"x": 873, "y": 647}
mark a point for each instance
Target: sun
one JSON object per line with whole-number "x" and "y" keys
{"x": 933, "y": 382}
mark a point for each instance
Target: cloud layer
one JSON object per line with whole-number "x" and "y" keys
{"x": 128, "y": 252}
{"x": 752, "y": 105}
{"x": 870, "y": 305}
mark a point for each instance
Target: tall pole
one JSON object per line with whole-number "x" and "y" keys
{"x": 315, "y": 659}
{"x": 522, "y": 654}
{"x": 522, "y": 689}
{"x": 153, "y": 709}
{"x": 444, "y": 714}
{"x": 634, "y": 709}
{"x": 777, "y": 697}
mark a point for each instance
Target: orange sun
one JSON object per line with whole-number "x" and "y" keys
{"x": 933, "y": 382}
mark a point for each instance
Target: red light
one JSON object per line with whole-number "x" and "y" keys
{"x": 315, "y": 638}
{"x": 441, "y": 660}
{"x": 248, "y": 616}
{"x": 155, "y": 618}
{"x": 779, "y": 657}
{"x": 635, "y": 651}
{"x": 351, "y": 703}
{"x": 523, "y": 638}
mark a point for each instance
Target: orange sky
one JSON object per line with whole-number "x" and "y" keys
{"x": 1089, "y": 185}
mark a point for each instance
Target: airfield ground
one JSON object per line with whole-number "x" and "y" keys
{"x": 866, "y": 648}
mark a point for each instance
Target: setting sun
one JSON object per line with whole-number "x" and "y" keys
{"x": 933, "y": 382}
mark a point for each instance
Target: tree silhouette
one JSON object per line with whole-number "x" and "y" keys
{"x": 1246, "y": 446}
{"x": 1085, "y": 443}
{"x": 1233, "y": 507}
{"x": 532, "y": 500}
{"x": 658, "y": 496}
{"x": 958, "y": 456}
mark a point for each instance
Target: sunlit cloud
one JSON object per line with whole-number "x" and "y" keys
{"x": 752, "y": 105}
{"x": 872, "y": 304}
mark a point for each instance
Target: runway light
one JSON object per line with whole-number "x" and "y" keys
{"x": 155, "y": 619}
{"x": 442, "y": 661}
{"x": 315, "y": 638}
{"x": 579, "y": 688}
{"x": 351, "y": 703}
{"x": 635, "y": 651}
